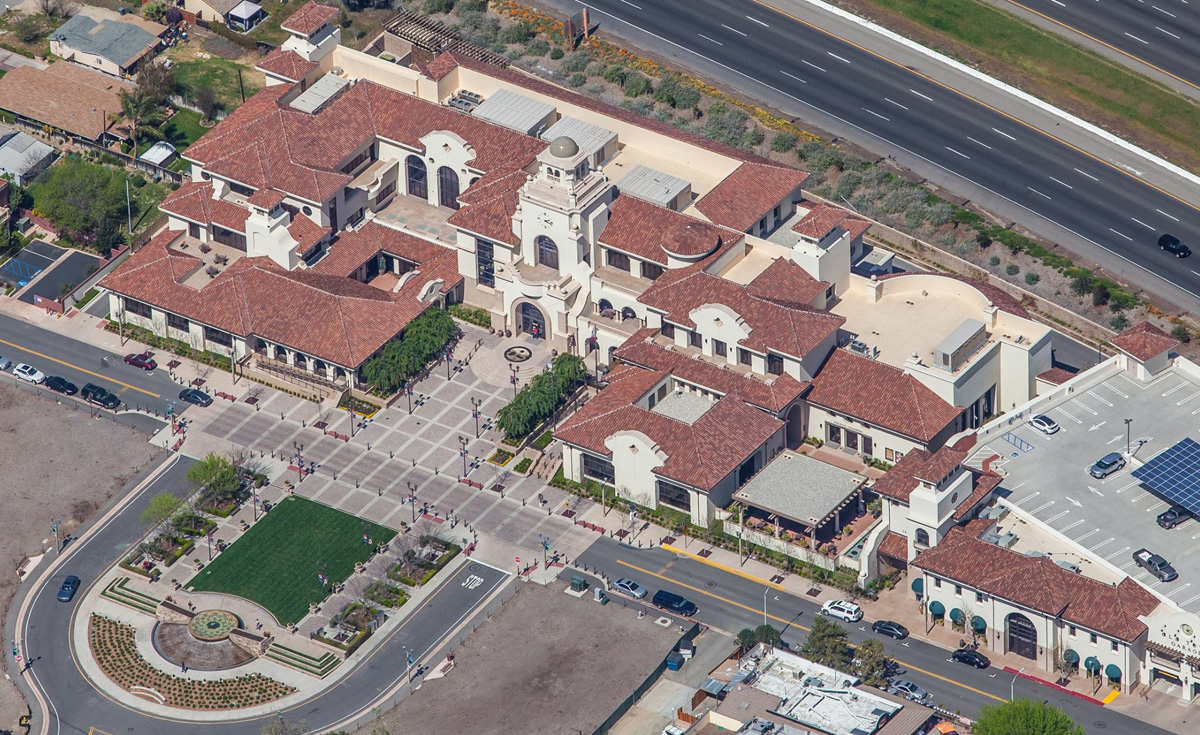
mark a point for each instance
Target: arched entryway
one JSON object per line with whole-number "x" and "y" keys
{"x": 1022, "y": 636}
{"x": 417, "y": 177}
{"x": 447, "y": 187}
{"x": 531, "y": 320}
{"x": 795, "y": 426}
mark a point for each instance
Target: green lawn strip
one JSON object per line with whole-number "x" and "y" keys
{"x": 1070, "y": 70}
{"x": 183, "y": 129}
{"x": 122, "y": 583}
{"x": 276, "y": 562}
{"x": 117, "y": 592}
{"x": 221, "y": 75}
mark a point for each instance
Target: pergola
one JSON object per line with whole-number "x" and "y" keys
{"x": 798, "y": 493}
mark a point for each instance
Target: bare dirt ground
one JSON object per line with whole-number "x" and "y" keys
{"x": 54, "y": 462}
{"x": 545, "y": 663}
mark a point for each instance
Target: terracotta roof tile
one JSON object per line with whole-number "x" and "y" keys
{"x": 1040, "y": 584}
{"x": 266, "y": 198}
{"x": 1057, "y": 376}
{"x": 880, "y": 394}
{"x": 983, "y": 485}
{"x": 490, "y": 203}
{"x": 820, "y": 220}
{"x": 941, "y": 464}
{"x": 894, "y": 545}
{"x": 440, "y": 67}
{"x": 287, "y": 64}
{"x": 651, "y": 232}
{"x": 787, "y": 284}
{"x": 353, "y": 248}
{"x": 306, "y": 233}
{"x": 194, "y": 201}
{"x": 752, "y": 190}
{"x": 999, "y": 297}
{"x": 310, "y": 17}
{"x": 899, "y": 481}
{"x": 1143, "y": 341}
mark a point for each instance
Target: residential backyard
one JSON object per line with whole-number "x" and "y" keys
{"x": 279, "y": 561}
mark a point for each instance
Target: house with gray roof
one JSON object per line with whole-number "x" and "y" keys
{"x": 114, "y": 47}
{"x": 23, "y": 157}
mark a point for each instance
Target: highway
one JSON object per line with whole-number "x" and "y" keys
{"x": 1054, "y": 188}
{"x": 731, "y": 602}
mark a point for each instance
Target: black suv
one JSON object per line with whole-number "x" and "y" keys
{"x": 1173, "y": 516}
{"x": 100, "y": 396}
{"x": 672, "y": 602}
{"x": 1172, "y": 245}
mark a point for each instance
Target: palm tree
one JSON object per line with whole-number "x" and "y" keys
{"x": 143, "y": 115}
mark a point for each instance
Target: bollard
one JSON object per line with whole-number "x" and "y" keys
{"x": 368, "y": 446}
{"x": 356, "y": 484}
{"x": 390, "y": 454}
{"x": 414, "y": 463}
{"x": 304, "y": 423}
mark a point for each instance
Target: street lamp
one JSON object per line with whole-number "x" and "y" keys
{"x": 515, "y": 378}
{"x": 1127, "y": 442}
{"x": 1012, "y": 689}
{"x": 299, "y": 460}
{"x": 412, "y": 498}
{"x": 475, "y": 404}
{"x": 765, "y": 591}
{"x": 463, "y": 441}
{"x": 408, "y": 392}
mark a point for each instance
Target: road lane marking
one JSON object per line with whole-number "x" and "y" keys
{"x": 806, "y": 629}
{"x": 1056, "y": 2}
{"x": 894, "y": 102}
{"x": 1166, "y": 215}
{"x": 964, "y": 155}
{"x": 1114, "y": 390}
{"x": 1172, "y": 35}
{"x": 1115, "y": 553}
{"x": 1122, "y": 234}
{"x": 1063, "y": 411}
{"x": 1095, "y": 395}
{"x": 876, "y": 114}
{"x": 1042, "y": 507}
{"x": 80, "y": 369}
{"x": 722, "y": 567}
{"x": 921, "y": 95}
{"x": 793, "y": 76}
{"x": 1085, "y": 173}
{"x": 1085, "y": 408}
{"x": 1055, "y": 517}
{"x": 803, "y": 61}
{"x": 1068, "y": 528}
{"x": 1061, "y": 182}
{"x": 1164, "y": 12}
{"x": 985, "y": 145}
{"x": 1127, "y": 33}
{"x": 1189, "y": 600}
{"x": 1006, "y": 135}
{"x": 1035, "y": 191}
{"x": 1143, "y": 224}
{"x": 706, "y": 38}
{"x": 1102, "y": 543}
{"x": 1031, "y": 496}
{"x": 756, "y": 20}
{"x": 637, "y": 7}
{"x": 839, "y": 58}
{"x": 734, "y": 30}
{"x": 1185, "y": 400}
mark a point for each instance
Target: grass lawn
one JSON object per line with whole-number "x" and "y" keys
{"x": 183, "y": 129}
{"x": 276, "y": 562}
{"x": 1063, "y": 73}
{"x": 221, "y": 75}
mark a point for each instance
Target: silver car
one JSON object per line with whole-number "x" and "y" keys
{"x": 629, "y": 587}
{"x": 908, "y": 690}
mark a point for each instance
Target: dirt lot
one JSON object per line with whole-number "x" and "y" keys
{"x": 545, "y": 663}
{"x": 55, "y": 462}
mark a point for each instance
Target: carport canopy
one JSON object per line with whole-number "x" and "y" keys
{"x": 937, "y": 608}
{"x": 1174, "y": 473}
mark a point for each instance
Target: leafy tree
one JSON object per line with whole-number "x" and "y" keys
{"x": 1025, "y": 717}
{"x": 82, "y": 199}
{"x": 217, "y": 475}
{"x": 156, "y": 82}
{"x": 205, "y": 99}
{"x": 400, "y": 360}
{"x": 871, "y": 664}
{"x": 748, "y": 638}
{"x": 28, "y": 27}
{"x": 141, "y": 113}
{"x": 162, "y": 508}
{"x": 154, "y": 11}
{"x": 538, "y": 400}
{"x": 827, "y": 644}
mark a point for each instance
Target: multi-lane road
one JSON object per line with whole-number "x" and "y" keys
{"x": 1056, "y": 189}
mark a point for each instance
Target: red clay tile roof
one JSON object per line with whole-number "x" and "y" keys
{"x": 880, "y": 394}
{"x": 353, "y": 248}
{"x": 310, "y": 17}
{"x": 266, "y": 198}
{"x": 983, "y": 485}
{"x": 790, "y": 330}
{"x": 1040, "y": 584}
{"x": 899, "y": 481}
{"x": 999, "y": 297}
{"x": 287, "y": 64}
{"x": 440, "y": 67}
{"x": 306, "y": 233}
{"x": 823, "y": 218}
{"x": 65, "y": 96}
{"x": 894, "y": 545}
{"x": 786, "y": 283}
{"x": 1144, "y": 341}
{"x": 769, "y": 395}
{"x": 490, "y": 203}
{"x": 752, "y": 190}
{"x": 194, "y": 201}
{"x": 1057, "y": 376}
{"x": 651, "y": 232}
{"x": 699, "y": 455}
{"x": 331, "y": 318}
{"x": 941, "y": 464}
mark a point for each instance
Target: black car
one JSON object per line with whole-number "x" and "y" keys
{"x": 970, "y": 658}
{"x": 100, "y": 396}
{"x": 195, "y": 397}
{"x": 61, "y": 385}
{"x": 672, "y": 602}
{"x": 1173, "y": 516}
{"x": 1172, "y": 245}
{"x": 890, "y": 627}
{"x": 68, "y": 589}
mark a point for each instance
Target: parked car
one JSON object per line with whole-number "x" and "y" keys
{"x": 1173, "y": 516}
{"x": 29, "y": 373}
{"x": 142, "y": 361}
{"x": 5, "y": 363}
{"x": 631, "y": 588}
{"x": 100, "y": 396}
{"x": 1044, "y": 424}
{"x": 69, "y": 586}
{"x": 1172, "y": 245}
{"x": 970, "y": 658}
{"x": 672, "y": 602}
{"x": 1106, "y": 465}
{"x": 908, "y": 690}
{"x": 195, "y": 397}
{"x": 61, "y": 385}
{"x": 1156, "y": 565}
{"x": 890, "y": 627}
{"x": 843, "y": 610}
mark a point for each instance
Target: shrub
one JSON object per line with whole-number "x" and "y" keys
{"x": 636, "y": 84}
{"x": 639, "y": 107}
{"x": 1118, "y": 322}
{"x": 1100, "y": 294}
{"x": 523, "y": 466}
{"x": 479, "y": 28}
{"x": 574, "y": 62}
{"x": 515, "y": 33}
{"x": 1181, "y": 333}
{"x": 556, "y": 53}
{"x": 783, "y": 141}
{"x": 940, "y": 214}
{"x": 1082, "y": 280}
{"x": 576, "y": 80}
{"x": 994, "y": 261}
{"x": 677, "y": 93}
{"x": 847, "y": 184}
{"x": 753, "y": 137}
{"x": 537, "y": 47}
{"x": 1012, "y": 269}
{"x": 429, "y": 7}
{"x": 400, "y": 360}
{"x": 725, "y": 125}
{"x": 470, "y": 314}
{"x": 1032, "y": 278}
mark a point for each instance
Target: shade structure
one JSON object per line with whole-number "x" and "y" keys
{"x": 1112, "y": 671}
{"x": 1091, "y": 664}
{"x": 979, "y": 625}
{"x": 957, "y": 616}
{"x": 1071, "y": 657}
{"x": 937, "y": 608}
{"x": 918, "y": 585}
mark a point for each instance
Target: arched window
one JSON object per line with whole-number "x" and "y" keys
{"x": 547, "y": 252}
{"x": 418, "y": 177}
{"x": 628, "y": 313}
{"x": 447, "y": 187}
{"x": 604, "y": 305}
{"x": 922, "y": 537}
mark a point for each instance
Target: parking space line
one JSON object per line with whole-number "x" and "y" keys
{"x": 1141, "y": 497}
{"x": 1068, "y": 528}
{"x": 1040, "y": 508}
{"x": 1115, "y": 553}
{"x": 1089, "y": 533}
{"x": 1196, "y": 537}
{"x": 1114, "y": 390}
{"x": 1031, "y": 496}
{"x": 1185, "y": 400}
{"x": 1132, "y": 484}
{"x": 1079, "y": 403}
{"x": 1095, "y": 395}
{"x": 1063, "y": 411}
{"x": 1172, "y": 390}
{"x": 1181, "y": 589}
{"x": 1054, "y": 518}
{"x": 1156, "y": 506}
{"x": 1105, "y": 542}
{"x": 1126, "y": 565}
{"x": 1190, "y": 600}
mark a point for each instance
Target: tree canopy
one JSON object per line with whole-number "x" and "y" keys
{"x": 160, "y": 509}
{"x": 871, "y": 664}
{"x": 827, "y": 644}
{"x": 83, "y": 199}
{"x": 748, "y": 638}
{"x": 1025, "y": 717}
{"x": 217, "y": 475}
{"x": 541, "y": 397}
{"x": 400, "y": 360}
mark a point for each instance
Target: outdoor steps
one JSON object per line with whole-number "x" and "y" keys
{"x": 119, "y": 591}
{"x": 319, "y": 667}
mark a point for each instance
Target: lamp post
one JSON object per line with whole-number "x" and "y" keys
{"x": 299, "y": 460}
{"x": 54, "y": 531}
{"x": 475, "y": 404}
{"x": 1127, "y": 442}
{"x": 462, "y": 440}
{"x": 765, "y": 591}
{"x": 446, "y": 354}
{"x": 412, "y": 498}
{"x": 1012, "y": 688}
{"x": 408, "y": 392}
{"x": 515, "y": 378}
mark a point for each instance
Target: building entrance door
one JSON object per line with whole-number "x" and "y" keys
{"x": 532, "y": 321}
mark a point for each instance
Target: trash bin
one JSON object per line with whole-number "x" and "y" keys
{"x": 578, "y": 584}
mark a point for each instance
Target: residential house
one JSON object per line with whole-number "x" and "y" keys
{"x": 66, "y": 100}
{"x": 116, "y": 47}
{"x": 23, "y": 157}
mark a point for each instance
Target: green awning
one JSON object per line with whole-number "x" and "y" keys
{"x": 978, "y": 624}
{"x": 957, "y": 615}
{"x": 1112, "y": 671}
{"x": 918, "y": 585}
{"x": 937, "y": 609}
{"x": 1071, "y": 657}
{"x": 1092, "y": 665}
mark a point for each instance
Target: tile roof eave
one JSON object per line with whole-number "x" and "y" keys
{"x": 890, "y": 430}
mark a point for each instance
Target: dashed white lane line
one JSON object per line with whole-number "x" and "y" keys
{"x": 1085, "y": 173}
{"x": 756, "y": 20}
{"x": 1166, "y": 215}
{"x": 839, "y": 58}
{"x": 1006, "y": 135}
{"x": 1172, "y": 35}
{"x": 894, "y": 102}
{"x": 1035, "y": 191}
{"x": 976, "y": 142}
{"x": 803, "y": 61}
{"x": 1164, "y": 12}
{"x": 964, "y": 155}
{"x": 1143, "y": 224}
{"x": 1057, "y": 181}
{"x": 876, "y": 114}
{"x": 1127, "y": 33}
{"x": 637, "y": 7}
{"x": 713, "y": 40}
{"x": 1061, "y": 5}
{"x": 921, "y": 95}
{"x": 731, "y": 28}
{"x": 793, "y": 76}
{"x": 1122, "y": 234}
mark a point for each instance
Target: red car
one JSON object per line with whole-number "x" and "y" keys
{"x": 143, "y": 361}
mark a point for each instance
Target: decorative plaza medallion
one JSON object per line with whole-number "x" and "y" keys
{"x": 212, "y": 625}
{"x": 518, "y": 354}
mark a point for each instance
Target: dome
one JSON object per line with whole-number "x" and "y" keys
{"x": 564, "y": 147}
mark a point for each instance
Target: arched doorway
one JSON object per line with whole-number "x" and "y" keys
{"x": 532, "y": 320}
{"x": 547, "y": 252}
{"x": 1022, "y": 636}
{"x": 795, "y": 426}
{"x": 447, "y": 187}
{"x": 417, "y": 177}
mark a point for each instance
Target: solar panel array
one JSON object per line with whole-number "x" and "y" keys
{"x": 1174, "y": 473}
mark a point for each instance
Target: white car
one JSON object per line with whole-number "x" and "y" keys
{"x": 629, "y": 587}
{"x": 1044, "y": 424}
{"x": 29, "y": 373}
{"x": 843, "y": 610}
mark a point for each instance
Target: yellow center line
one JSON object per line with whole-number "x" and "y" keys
{"x": 763, "y": 4}
{"x": 789, "y": 623}
{"x": 80, "y": 369}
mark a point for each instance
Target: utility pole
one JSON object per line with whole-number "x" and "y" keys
{"x": 475, "y": 404}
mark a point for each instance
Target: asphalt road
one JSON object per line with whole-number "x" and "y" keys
{"x": 1161, "y": 33}
{"x": 76, "y": 706}
{"x": 731, "y": 602}
{"x": 989, "y": 155}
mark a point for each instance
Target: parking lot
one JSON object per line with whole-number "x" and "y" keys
{"x": 1046, "y": 477}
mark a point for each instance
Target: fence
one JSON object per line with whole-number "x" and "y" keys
{"x": 767, "y": 541}
{"x": 74, "y": 141}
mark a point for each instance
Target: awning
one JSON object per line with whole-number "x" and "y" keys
{"x": 1112, "y": 671}
{"x": 918, "y": 585}
{"x": 957, "y": 616}
{"x": 1071, "y": 657}
{"x": 1091, "y": 664}
{"x": 937, "y": 609}
{"x": 979, "y": 625}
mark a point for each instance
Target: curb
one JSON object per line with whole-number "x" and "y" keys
{"x": 726, "y": 568}
{"x": 1064, "y": 690}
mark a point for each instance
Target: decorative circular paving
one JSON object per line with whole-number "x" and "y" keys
{"x": 176, "y": 643}
{"x": 518, "y": 354}
{"x": 212, "y": 625}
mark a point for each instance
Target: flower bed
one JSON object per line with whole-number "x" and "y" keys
{"x": 382, "y": 593}
{"x": 523, "y": 466}
{"x": 415, "y": 569}
{"x": 471, "y": 315}
{"x": 500, "y": 457}
{"x": 115, "y": 651}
